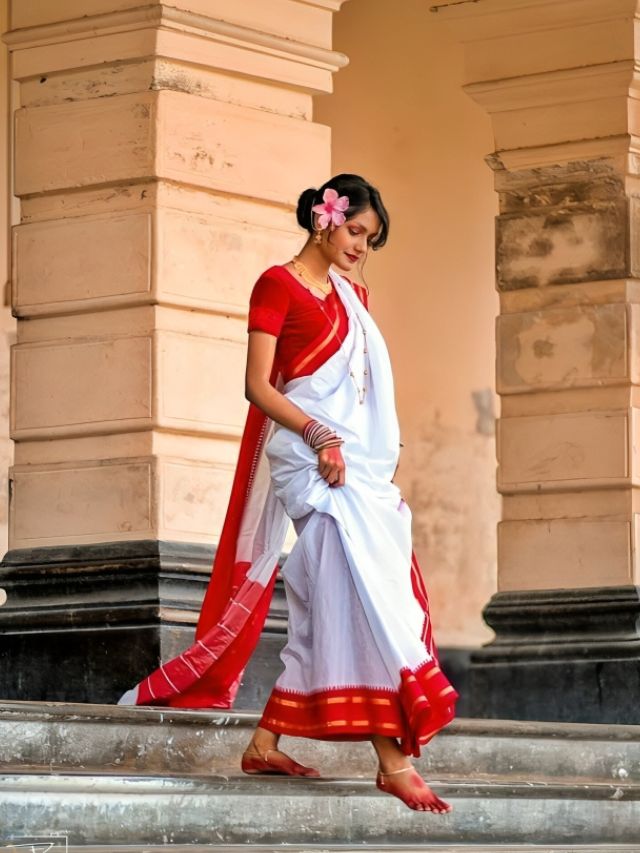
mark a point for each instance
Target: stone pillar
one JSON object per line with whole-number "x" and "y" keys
{"x": 559, "y": 81}
{"x": 159, "y": 150}
{"x": 7, "y": 323}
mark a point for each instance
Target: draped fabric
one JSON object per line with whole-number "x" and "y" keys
{"x": 367, "y": 527}
{"x": 369, "y": 667}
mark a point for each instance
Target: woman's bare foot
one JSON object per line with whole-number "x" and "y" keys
{"x": 407, "y": 784}
{"x": 262, "y": 756}
{"x": 398, "y": 777}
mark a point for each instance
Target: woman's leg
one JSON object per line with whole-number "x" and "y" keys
{"x": 397, "y": 776}
{"x": 262, "y": 754}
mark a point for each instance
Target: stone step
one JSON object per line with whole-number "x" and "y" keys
{"x": 117, "y": 777}
{"x": 60, "y": 844}
{"x": 339, "y": 848}
{"x": 73, "y": 736}
{"x": 111, "y": 809}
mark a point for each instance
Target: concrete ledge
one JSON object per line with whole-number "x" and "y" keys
{"x": 93, "y": 808}
{"x": 62, "y": 737}
{"x": 339, "y": 848}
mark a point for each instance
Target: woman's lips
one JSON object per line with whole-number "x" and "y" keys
{"x": 352, "y": 258}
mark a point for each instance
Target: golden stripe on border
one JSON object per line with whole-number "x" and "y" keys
{"x": 327, "y": 340}
{"x": 330, "y": 700}
{"x": 330, "y": 724}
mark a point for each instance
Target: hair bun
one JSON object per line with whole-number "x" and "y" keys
{"x": 305, "y": 203}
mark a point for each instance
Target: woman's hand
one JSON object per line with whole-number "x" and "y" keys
{"x": 260, "y": 392}
{"x": 331, "y": 466}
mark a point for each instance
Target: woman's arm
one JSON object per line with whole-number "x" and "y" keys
{"x": 260, "y": 392}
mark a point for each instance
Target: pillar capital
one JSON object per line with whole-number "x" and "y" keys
{"x": 476, "y": 20}
{"x": 297, "y": 52}
{"x": 557, "y": 78}
{"x": 303, "y": 20}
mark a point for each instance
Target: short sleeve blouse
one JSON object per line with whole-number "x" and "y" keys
{"x": 269, "y": 304}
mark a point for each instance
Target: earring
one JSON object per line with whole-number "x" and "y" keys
{"x": 317, "y": 238}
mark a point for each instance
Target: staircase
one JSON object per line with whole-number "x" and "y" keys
{"x": 113, "y": 778}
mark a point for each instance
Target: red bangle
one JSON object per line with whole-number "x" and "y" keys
{"x": 318, "y": 436}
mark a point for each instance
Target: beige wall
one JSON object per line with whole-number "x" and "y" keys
{"x": 7, "y": 323}
{"x": 400, "y": 118}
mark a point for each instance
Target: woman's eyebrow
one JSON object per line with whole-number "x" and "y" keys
{"x": 364, "y": 227}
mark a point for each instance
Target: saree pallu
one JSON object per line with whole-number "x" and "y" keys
{"x": 360, "y": 657}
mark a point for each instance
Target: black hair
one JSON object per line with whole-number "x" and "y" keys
{"x": 361, "y": 194}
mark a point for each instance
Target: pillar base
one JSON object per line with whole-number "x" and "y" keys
{"x": 84, "y": 623}
{"x": 569, "y": 655}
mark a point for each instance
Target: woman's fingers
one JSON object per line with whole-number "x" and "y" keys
{"x": 339, "y": 480}
{"x": 327, "y": 470}
{"x": 331, "y": 466}
{"x": 337, "y": 476}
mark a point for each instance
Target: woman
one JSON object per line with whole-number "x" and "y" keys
{"x": 320, "y": 447}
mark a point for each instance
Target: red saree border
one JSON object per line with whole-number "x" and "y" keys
{"x": 326, "y": 344}
{"x": 423, "y": 704}
{"x": 234, "y": 609}
{"x": 317, "y": 350}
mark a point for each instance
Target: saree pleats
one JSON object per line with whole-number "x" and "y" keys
{"x": 335, "y": 685}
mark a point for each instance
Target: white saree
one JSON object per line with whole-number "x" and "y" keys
{"x": 360, "y": 658}
{"x": 359, "y": 638}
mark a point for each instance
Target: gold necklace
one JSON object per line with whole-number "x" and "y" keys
{"x": 323, "y": 286}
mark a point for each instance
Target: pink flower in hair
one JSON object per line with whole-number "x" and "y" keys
{"x": 332, "y": 209}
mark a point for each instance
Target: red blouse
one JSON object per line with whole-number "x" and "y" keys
{"x": 309, "y": 330}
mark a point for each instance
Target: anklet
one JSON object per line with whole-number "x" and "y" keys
{"x": 395, "y": 772}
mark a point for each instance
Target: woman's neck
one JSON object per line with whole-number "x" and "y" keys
{"x": 314, "y": 261}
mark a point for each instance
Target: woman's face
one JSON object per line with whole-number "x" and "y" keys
{"x": 346, "y": 244}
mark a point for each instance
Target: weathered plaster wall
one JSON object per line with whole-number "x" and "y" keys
{"x": 7, "y": 323}
{"x": 400, "y": 117}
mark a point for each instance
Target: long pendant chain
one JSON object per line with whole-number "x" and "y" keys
{"x": 361, "y": 391}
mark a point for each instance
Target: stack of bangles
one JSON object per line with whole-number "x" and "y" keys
{"x": 318, "y": 436}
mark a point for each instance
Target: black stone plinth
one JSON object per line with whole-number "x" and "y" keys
{"x": 566, "y": 655}
{"x": 84, "y": 623}
{"x": 455, "y": 662}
